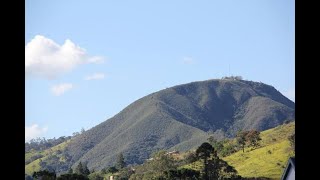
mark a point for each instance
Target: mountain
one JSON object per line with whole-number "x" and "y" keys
{"x": 180, "y": 118}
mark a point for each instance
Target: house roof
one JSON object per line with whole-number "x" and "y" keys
{"x": 291, "y": 164}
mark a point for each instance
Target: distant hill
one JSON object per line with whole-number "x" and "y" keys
{"x": 180, "y": 118}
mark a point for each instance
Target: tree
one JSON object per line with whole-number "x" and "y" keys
{"x": 70, "y": 171}
{"x": 229, "y": 147}
{"x": 112, "y": 169}
{"x": 253, "y": 138}
{"x": 95, "y": 176}
{"x": 203, "y": 152}
{"x": 191, "y": 157}
{"x": 241, "y": 139}
{"x": 125, "y": 173}
{"x": 79, "y": 168}
{"x": 75, "y": 134}
{"x": 217, "y": 145}
{"x": 104, "y": 171}
{"x": 86, "y": 170}
{"x": 214, "y": 167}
{"x": 82, "y": 131}
{"x": 120, "y": 161}
{"x": 45, "y": 175}
{"x": 72, "y": 177}
{"x": 155, "y": 168}
{"x": 211, "y": 140}
{"x": 82, "y": 169}
{"x": 161, "y": 162}
{"x": 182, "y": 174}
{"x": 220, "y": 169}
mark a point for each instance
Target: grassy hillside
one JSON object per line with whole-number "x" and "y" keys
{"x": 269, "y": 160}
{"x": 44, "y": 156}
{"x": 32, "y": 167}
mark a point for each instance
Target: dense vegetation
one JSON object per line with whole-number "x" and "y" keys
{"x": 162, "y": 165}
{"x": 263, "y": 161}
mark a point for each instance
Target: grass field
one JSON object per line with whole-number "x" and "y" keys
{"x": 267, "y": 161}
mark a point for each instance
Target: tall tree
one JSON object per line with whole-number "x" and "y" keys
{"x": 86, "y": 170}
{"x": 214, "y": 167}
{"x": 120, "y": 161}
{"x": 241, "y": 139}
{"x": 82, "y": 169}
{"x": 203, "y": 152}
{"x": 79, "y": 168}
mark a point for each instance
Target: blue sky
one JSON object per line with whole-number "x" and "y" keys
{"x": 87, "y": 60}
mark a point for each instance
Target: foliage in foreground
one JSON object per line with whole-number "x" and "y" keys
{"x": 275, "y": 146}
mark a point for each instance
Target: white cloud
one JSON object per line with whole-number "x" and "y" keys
{"x": 60, "y": 89}
{"x": 95, "y": 76}
{"x": 45, "y": 58}
{"x": 188, "y": 60}
{"x": 290, "y": 94}
{"x": 34, "y": 131}
{"x": 96, "y": 60}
